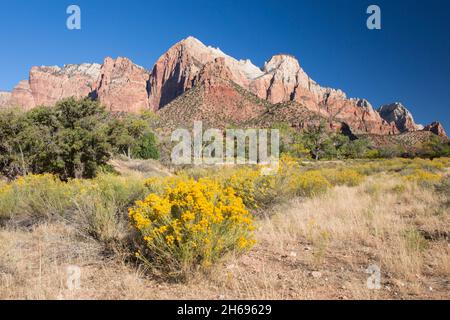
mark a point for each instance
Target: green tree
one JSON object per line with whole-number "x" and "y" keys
{"x": 436, "y": 147}
{"x": 131, "y": 135}
{"x": 318, "y": 141}
{"x": 146, "y": 147}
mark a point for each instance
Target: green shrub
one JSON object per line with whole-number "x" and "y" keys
{"x": 76, "y": 139}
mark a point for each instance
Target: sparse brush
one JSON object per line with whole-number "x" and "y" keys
{"x": 422, "y": 177}
{"x": 339, "y": 177}
{"x": 34, "y": 197}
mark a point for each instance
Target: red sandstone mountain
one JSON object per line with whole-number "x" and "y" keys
{"x": 397, "y": 114}
{"x": 436, "y": 128}
{"x": 238, "y": 90}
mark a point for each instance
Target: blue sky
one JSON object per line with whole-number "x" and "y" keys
{"x": 407, "y": 61}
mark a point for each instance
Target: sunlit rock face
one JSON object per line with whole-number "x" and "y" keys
{"x": 123, "y": 86}
{"x": 397, "y": 114}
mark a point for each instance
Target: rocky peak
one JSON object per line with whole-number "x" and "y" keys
{"x": 437, "y": 128}
{"x": 47, "y": 85}
{"x": 122, "y": 85}
{"x": 91, "y": 70}
{"x": 22, "y": 96}
{"x": 175, "y": 71}
{"x": 284, "y": 63}
{"x": 213, "y": 72}
{"x": 398, "y": 114}
{"x": 363, "y": 103}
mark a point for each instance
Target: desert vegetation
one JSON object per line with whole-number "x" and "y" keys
{"x": 90, "y": 194}
{"x": 310, "y": 231}
{"x": 74, "y": 139}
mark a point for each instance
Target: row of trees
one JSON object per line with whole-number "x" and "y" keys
{"x": 318, "y": 143}
{"x": 72, "y": 139}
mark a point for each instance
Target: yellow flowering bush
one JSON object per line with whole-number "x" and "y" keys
{"x": 310, "y": 183}
{"x": 192, "y": 223}
{"x": 249, "y": 185}
{"x": 338, "y": 177}
{"x": 41, "y": 195}
{"x": 423, "y": 177}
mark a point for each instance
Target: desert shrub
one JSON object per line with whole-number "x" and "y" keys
{"x": 132, "y": 136}
{"x": 97, "y": 217}
{"x": 372, "y": 154}
{"x": 255, "y": 189}
{"x": 193, "y": 224}
{"x": 435, "y": 147}
{"x": 97, "y": 207}
{"x": 399, "y": 188}
{"x": 7, "y": 200}
{"x": 123, "y": 191}
{"x": 311, "y": 183}
{"x": 368, "y": 168}
{"x": 146, "y": 147}
{"x": 100, "y": 205}
{"x": 374, "y": 189}
{"x": 415, "y": 241}
{"x": 340, "y": 177}
{"x": 445, "y": 161}
{"x": 422, "y": 177}
{"x": 158, "y": 185}
{"x": 34, "y": 196}
{"x": 434, "y": 165}
{"x": 443, "y": 188}
{"x": 260, "y": 191}
{"x": 76, "y": 139}
{"x": 391, "y": 152}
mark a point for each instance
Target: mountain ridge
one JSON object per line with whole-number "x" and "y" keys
{"x": 123, "y": 86}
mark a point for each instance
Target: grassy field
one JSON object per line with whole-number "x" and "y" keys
{"x": 318, "y": 226}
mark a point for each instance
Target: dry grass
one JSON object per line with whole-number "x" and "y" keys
{"x": 137, "y": 167}
{"x": 316, "y": 248}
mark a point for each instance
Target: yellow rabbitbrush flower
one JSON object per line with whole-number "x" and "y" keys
{"x": 423, "y": 177}
{"x": 338, "y": 177}
{"x": 191, "y": 223}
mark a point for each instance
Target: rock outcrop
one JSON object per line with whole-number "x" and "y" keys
{"x": 119, "y": 84}
{"x": 437, "y": 128}
{"x": 47, "y": 85}
{"x": 397, "y": 114}
{"x": 213, "y": 99}
{"x": 22, "y": 96}
{"x": 122, "y": 86}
